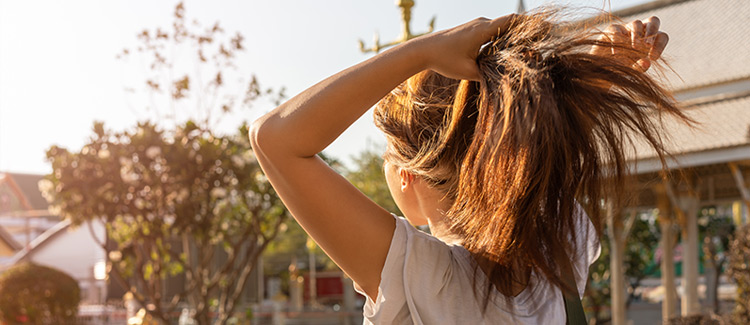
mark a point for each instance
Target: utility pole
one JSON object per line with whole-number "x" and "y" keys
{"x": 313, "y": 275}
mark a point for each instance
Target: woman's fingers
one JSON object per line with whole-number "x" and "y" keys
{"x": 652, "y": 28}
{"x": 500, "y": 25}
{"x": 637, "y": 32}
{"x": 453, "y": 52}
{"x": 660, "y": 42}
{"x": 619, "y": 37}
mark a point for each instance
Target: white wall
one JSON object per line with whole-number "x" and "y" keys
{"x": 75, "y": 252}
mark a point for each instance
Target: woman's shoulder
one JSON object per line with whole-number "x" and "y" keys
{"x": 422, "y": 249}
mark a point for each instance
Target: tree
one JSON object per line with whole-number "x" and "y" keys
{"x": 597, "y": 294}
{"x": 716, "y": 228}
{"x": 642, "y": 238}
{"x": 178, "y": 199}
{"x": 367, "y": 175}
{"x": 191, "y": 73}
{"x": 639, "y": 252}
{"x": 36, "y": 294}
{"x": 184, "y": 202}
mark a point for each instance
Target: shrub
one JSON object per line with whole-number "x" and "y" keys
{"x": 739, "y": 270}
{"x": 36, "y": 294}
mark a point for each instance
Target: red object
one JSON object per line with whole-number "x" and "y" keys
{"x": 329, "y": 285}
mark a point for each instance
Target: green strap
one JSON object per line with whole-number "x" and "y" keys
{"x": 573, "y": 306}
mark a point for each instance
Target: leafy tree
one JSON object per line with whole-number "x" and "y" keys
{"x": 178, "y": 200}
{"x": 642, "y": 239}
{"x": 639, "y": 252}
{"x": 597, "y": 296}
{"x": 185, "y": 202}
{"x": 191, "y": 73}
{"x": 716, "y": 229}
{"x": 36, "y": 294}
{"x": 367, "y": 175}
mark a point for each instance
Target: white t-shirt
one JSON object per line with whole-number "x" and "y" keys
{"x": 426, "y": 281}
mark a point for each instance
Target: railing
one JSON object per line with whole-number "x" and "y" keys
{"x": 116, "y": 314}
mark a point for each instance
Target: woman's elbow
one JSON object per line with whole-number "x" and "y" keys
{"x": 257, "y": 134}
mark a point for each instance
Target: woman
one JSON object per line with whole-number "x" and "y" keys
{"x": 493, "y": 145}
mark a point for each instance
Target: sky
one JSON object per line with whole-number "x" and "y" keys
{"x": 59, "y": 73}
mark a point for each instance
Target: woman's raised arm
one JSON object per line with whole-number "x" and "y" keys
{"x": 351, "y": 229}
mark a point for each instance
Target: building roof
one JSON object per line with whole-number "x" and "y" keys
{"x": 724, "y": 123}
{"x": 710, "y": 55}
{"x": 708, "y": 39}
{"x": 41, "y": 241}
{"x": 8, "y": 239}
{"x": 28, "y": 184}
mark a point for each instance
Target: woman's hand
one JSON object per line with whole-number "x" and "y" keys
{"x": 453, "y": 52}
{"x": 643, "y": 37}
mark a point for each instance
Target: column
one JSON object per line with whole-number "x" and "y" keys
{"x": 689, "y": 206}
{"x": 616, "y": 267}
{"x": 349, "y": 295}
{"x": 667, "y": 258}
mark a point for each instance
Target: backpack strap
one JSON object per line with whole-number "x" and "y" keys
{"x": 573, "y": 306}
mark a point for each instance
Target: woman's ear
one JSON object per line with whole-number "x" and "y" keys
{"x": 406, "y": 178}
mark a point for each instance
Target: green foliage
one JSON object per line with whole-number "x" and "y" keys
{"x": 188, "y": 66}
{"x": 181, "y": 200}
{"x": 640, "y": 248}
{"x": 597, "y": 297}
{"x": 173, "y": 203}
{"x": 638, "y": 260}
{"x": 36, "y": 294}
{"x": 367, "y": 175}
{"x": 715, "y": 226}
{"x": 739, "y": 270}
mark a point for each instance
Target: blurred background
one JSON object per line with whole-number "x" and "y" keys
{"x": 128, "y": 192}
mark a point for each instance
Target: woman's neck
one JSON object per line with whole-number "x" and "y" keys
{"x": 440, "y": 228}
{"x": 434, "y": 207}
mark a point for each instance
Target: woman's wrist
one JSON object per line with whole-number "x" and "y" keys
{"x": 416, "y": 54}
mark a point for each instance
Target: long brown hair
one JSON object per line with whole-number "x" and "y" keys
{"x": 549, "y": 126}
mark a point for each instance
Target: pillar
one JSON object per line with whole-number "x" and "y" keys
{"x": 349, "y": 297}
{"x": 296, "y": 285}
{"x": 689, "y": 205}
{"x": 260, "y": 295}
{"x": 668, "y": 304}
{"x": 617, "y": 270}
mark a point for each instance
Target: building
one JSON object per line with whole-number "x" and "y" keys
{"x": 30, "y": 233}
{"x": 23, "y": 213}
{"x": 75, "y": 251}
{"x": 710, "y": 55}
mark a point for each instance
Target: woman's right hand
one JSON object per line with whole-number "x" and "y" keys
{"x": 453, "y": 52}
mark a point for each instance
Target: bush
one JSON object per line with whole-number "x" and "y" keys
{"x": 739, "y": 270}
{"x": 36, "y": 294}
{"x": 697, "y": 320}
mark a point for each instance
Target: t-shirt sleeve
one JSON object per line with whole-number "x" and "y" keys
{"x": 417, "y": 266}
{"x": 588, "y": 249}
{"x": 389, "y": 282}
